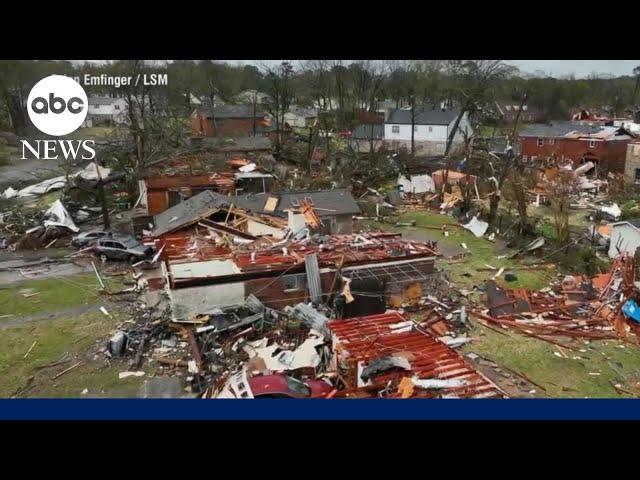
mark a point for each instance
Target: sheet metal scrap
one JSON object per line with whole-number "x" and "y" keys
{"x": 578, "y": 308}
{"x": 366, "y": 339}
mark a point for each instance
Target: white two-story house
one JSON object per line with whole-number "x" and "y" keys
{"x": 107, "y": 110}
{"x": 431, "y": 129}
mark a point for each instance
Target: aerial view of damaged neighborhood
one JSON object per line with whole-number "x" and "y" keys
{"x": 319, "y": 229}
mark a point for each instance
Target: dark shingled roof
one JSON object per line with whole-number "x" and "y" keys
{"x": 426, "y": 116}
{"x": 186, "y": 213}
{"x": 231, "y": 111}
{"x": 326, "y": 202}
{"x": 554, "y": 130}
{"x": 364, "y": 132}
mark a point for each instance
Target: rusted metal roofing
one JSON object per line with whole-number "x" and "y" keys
{"x": 376, "y": 336}
{"x": 332, "y": 250}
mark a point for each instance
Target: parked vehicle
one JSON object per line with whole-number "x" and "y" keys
{"x": 122, "y": 247}
{"x": 273, "y": 386}
{"x": 344, "y": 134}
{"x": 86, "y": 239}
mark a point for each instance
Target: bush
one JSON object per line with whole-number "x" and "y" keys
{"x": 630, "y": 209}
{"x": 582, "y": 261}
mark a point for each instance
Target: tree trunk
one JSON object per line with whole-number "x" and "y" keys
{"x": 413, "y": 129}
{"x": 103, "y": 203}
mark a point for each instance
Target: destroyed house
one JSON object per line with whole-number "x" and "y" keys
{"x": 387, "y": 352}
{"x": 329, "y": 211}
{"x": 203, "y": 277}
{"x": 578, "y": 143}
{"x": 213, "y": 211}
{"x": 335, "y": 208}
{"x": 170, "y": 183}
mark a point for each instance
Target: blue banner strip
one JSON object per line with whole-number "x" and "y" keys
{"x": 337, "y": 409}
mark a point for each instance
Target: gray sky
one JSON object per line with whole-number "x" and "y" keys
{"x": 554, "y": 68}
{"x": 580, "y": 68}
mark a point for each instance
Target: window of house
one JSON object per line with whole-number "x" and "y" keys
{"x": 395, "y": 128}
{"x": 415, "y": 128}
{"x": 637, "y": 180}
{"x": 540, "y": 142}
{"x": 524, "y": 158}
{"x": 533, "y": 158}
{"x": 592, "y": 144}
{"x": 430, "y": 129}
{"x": 551, "y": 141}
{"x": 117, "y": 107}
{"x": 96, "y": 107}
{"x": 294, "y": 282}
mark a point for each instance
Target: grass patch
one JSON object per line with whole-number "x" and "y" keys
{"x": 46, "y": 200}
{"x": 7, "y": 153}
{"x": 55, "y": 294}
{"x": 481, "y": 253}
{"x": 615, "y": 362}
{"x": 73, "y": 336}
{"x": 98, "y": 132}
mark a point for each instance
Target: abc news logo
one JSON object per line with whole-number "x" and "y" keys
{"x": 57, "y": 106}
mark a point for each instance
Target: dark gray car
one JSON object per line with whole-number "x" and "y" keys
{"x": 85, "y": 239}
{"x": 122, "y": 247}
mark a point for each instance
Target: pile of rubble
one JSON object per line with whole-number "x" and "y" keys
{"x": 601, "y": 307}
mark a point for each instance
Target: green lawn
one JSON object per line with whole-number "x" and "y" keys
{"x": 7, "y": 153}
{"x": 57, "y": 293}
{"x": 481, "y": 252}
{"x": 71, "y": 336}
{"x": 96, "y": 133}
{"x": 591, "y": 374}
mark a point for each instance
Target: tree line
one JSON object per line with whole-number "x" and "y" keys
{"x": 337, "y": 86}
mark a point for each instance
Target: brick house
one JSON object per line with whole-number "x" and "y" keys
{"x": 606, "y": 146}
{"x": 632, "y": 164}
{"x": 508, "y": 112}
{"x": 234, "y": 121}
{"x": 230, "y": 120}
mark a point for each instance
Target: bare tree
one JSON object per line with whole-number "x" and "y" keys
{"x": 561, "y": 189}
{"x": 279, "y": 88}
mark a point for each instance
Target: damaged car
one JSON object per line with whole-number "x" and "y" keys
{"x": 122, "y": 247}
{"x": 86, "y": 239}
{"x": 273, "y": 386}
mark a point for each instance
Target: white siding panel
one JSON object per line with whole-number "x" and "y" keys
{"x": 626, "y": 237}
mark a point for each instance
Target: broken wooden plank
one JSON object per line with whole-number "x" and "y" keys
{"x": 30, "y": 348}
{"x": 226, "y": 229}
{"x": 98, "y": 275}
{"x": 175, "y": 362}
{"x": 194, "y": 346}
{"x": 67, "y": 370}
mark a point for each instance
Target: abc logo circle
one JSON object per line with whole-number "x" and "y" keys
{"x": 57, "y": 105}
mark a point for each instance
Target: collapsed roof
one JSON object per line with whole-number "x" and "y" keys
{"x": 325, "y": 202}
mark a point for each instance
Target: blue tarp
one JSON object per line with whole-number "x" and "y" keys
{"x": 632, "y": 310}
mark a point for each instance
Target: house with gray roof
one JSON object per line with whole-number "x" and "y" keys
{"x": 431, "y": 128}
{"x": 231, "y": 120}
{"x": 335, "y": 208}
{"x": 366, "y": 136}
{"x": 107, "y": 110}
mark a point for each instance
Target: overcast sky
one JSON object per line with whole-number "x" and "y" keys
{"x": 580, "y": 68}
{"x": 554, "y": 68}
